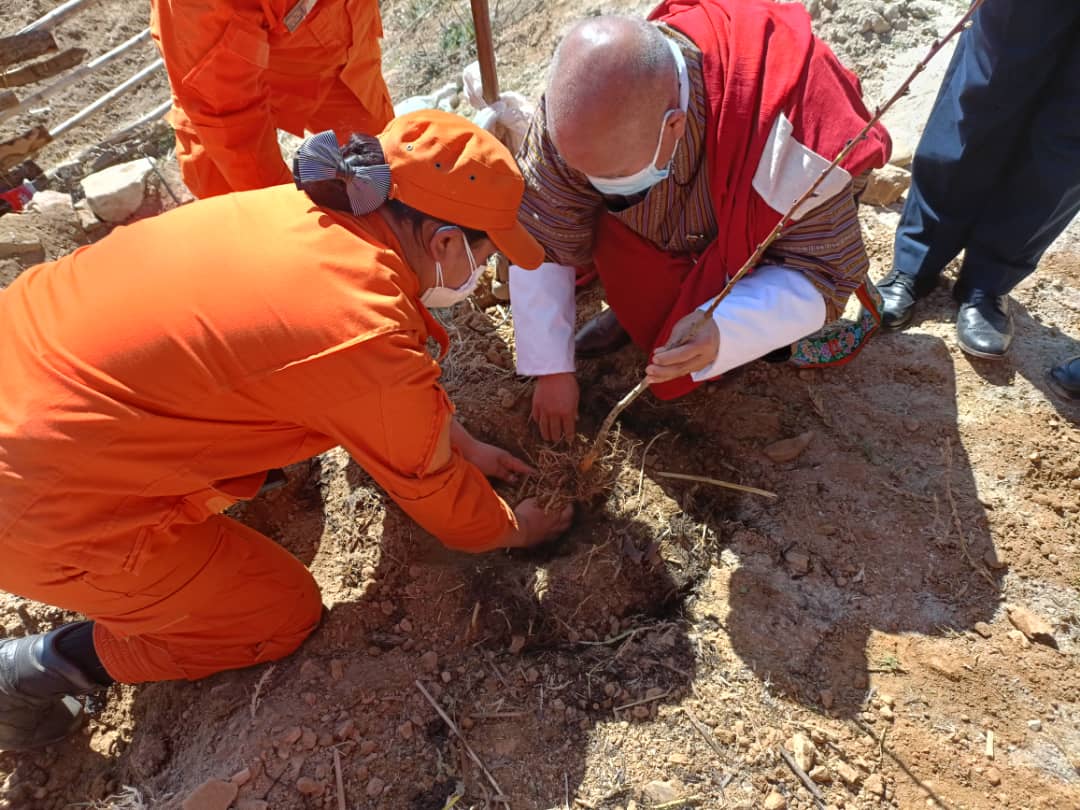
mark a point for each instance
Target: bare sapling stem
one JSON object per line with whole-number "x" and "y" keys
{"x": 704, "y": 315}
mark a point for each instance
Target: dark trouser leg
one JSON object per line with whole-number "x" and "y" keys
{"x": 1039, "y": 193}
{"x": 994, "y": 82}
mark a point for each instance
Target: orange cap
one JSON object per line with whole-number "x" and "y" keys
{"x": 449, "y": 168}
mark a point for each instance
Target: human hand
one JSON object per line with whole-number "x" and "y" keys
{"x": 536, "y": 526}
{"x": 555, "y": 405}
{"x": 683, "y": 353}
{"x": 494, "y": 462}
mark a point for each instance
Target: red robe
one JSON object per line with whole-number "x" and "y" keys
{"x": 760, "y": 59}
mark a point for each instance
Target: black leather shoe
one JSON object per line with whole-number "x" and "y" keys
{"x": 601, "y": 335}
{"x": 899, "y": 294}
{"x": 1064, "y": 378}
{"x": 984, "y": 325}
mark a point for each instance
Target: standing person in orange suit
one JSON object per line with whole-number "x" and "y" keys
{"x": 150, "y": 378}
{"x": 242, "y": 69}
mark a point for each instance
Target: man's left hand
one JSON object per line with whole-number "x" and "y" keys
{"x": 684, "y": 354}
{"x": 494, "y": 462}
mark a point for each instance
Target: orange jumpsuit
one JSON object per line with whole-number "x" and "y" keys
{"x": 238, "y": 74}
{"x": 150, "y": 378}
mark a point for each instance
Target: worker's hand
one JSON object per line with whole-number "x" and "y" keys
{"x": 536, "y": 526}
{"x": 555, "y": 405}
{"x": 684, "y": 354}
{"x": 494, "y": 462}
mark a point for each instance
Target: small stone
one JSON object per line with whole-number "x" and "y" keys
{"x": 291, "y": 735}
{"x": 827, "y": 698}
{"x": 678, "y": 759}
{"x": 775, "y": 801}
{"x": 874, "y": 784}
{"x": 886, "y": 713}
{"x": 446, "y": 676}
{"x": 943, "y": 667}
{"x": 375, "y": 787}
{"x": 309, "y": 670}
{"x": 798, "y": 561}
{"x": 879, "y": 25}
{"x": 886, "y": 186}
{"x": 983, "y": 629}
{"x": 19, "y": 240}
{"x": 405, "y": 626}
{"x": 337, "y": 670}
{"x": 532, "y": 675}
{"x": 640, "y": 712}
{"x": 821, "y": 775}
{"x": 789, "y": 449}
{"x": 506, "y": 398}
{"x": 367, "y": 747}
{"x": 911, "y": 425}
{"x": 308, "y": 739}
{"x": 803, "y": 751}
{"x": 309, "y": 787}
{"x": 517, "y": 644}
{"x": 213, "y": 794}
{"x": 115, "y": 193}
{"x": 848, "y": 774}
{"x": 1032, "y": 625}
{"x": 993, "y": 776}
{"x": 241, "y": 777}
{"x": 345, "y": 729}
{"x": 659, "y": 792}
{"x": 429, "y": 661}
{"x": 405, "y": 730}
{"x": 1019, "y": 639}
{"x": 1035, "y": 725}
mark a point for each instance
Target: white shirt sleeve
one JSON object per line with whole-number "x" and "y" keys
{"x": 543, "y": 308}
{"x": 771, "y": 307}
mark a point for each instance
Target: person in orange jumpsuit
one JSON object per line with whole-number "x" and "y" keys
{"x": 150, "y": 377}
{"x": 242, "y": 69}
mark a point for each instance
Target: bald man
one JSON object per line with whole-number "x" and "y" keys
{"x": 662, "y": 154}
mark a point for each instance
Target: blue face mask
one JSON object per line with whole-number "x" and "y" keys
{"x": 649, "y": 176}
{"x": 639, "y": 181}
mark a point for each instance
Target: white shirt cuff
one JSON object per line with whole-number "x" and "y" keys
{"x": 771, "y": 307}
{"x": 543, "y": 307}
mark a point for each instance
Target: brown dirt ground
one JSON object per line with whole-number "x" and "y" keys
{"x": 680, "y": 633}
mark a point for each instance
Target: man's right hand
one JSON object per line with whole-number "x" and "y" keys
{"x": 536, "y": 526}
{"x": 555, "y": 405}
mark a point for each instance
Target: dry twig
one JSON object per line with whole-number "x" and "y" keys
{"x": 340, "y": 781}
{"x": 499, "y": 795}
{"x": 803, "y": 777}
{"x": 755, "y": 257}
{"x": 716, "y": 482}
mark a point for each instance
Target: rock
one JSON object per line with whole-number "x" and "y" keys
{"x": 19, "y": 240}
{"x": 345, "y": 729}
{"x": 879, "y": 25}
{"x": 827, "y": 698}
{"x": 309, "y": 787}
{"x": 241, "y": 777}
{"x": 983, "y": 629}
{"x": 375, "y": 787}
{"x": 115, "y": 193}
{"x": 429, "y": 661}
{"x": 775, "y": 801}
{"x": 789, "y": 449}
{"x": 291, "y": 735}
{"x": 848, "y": 774}
{"x": 54, "y": 204}
{"x": 886, "y": 185}
{"x": 367, "y": 747}
{"x": 944, "y": 667}
{"x": 1035, "y": 725}
{"x": 1018, "y": 638}
{"x": 874, "y": 784}
{"x": 1032, "y": 625}
{"x": 887, "y": 713}
{"x": 517, "y": 644}
{"x": 405, "y": 730}
{"x": 993, "y": 776}
{"x": 798, "y": 561}
{"x": 659, "y": 792}
{"x": 821, "y": 775}
{"x": 213, "y": 794}
{"x": 802, "y": 749}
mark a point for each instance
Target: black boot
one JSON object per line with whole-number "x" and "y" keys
{"x": 1065, "y": 378}
{"x": 984, "y": 325}
{"x": 38, "y": 685}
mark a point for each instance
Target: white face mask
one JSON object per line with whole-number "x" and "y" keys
{"x": 649, "y": 176}
{"x": 441, "y": 296}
